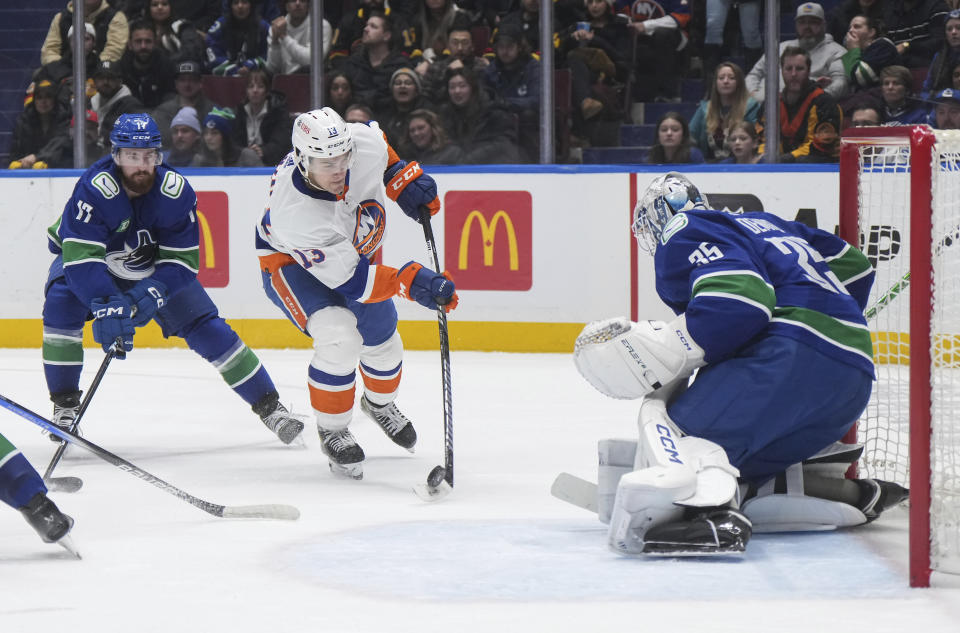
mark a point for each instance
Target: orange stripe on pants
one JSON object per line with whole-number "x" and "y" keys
{"x": 283, "y": 291}
{"x": 378, "y": 385}
{"x": 332, "y": 402}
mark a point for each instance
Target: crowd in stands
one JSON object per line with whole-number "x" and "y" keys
{"x": 458, "y": 81}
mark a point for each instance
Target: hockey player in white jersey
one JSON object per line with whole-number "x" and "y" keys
{"x": 771, "y": 312}
{"x": 324, "y": 222}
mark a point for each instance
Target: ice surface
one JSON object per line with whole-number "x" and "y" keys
{"x": 499, "y": 554}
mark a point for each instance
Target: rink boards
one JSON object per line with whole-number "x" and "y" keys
{"x": 536, "y": 251}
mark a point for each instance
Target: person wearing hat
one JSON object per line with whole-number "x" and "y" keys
{"x": 109, "y": 24}
{"x": 406, "y": 95}
{"x": 513, "y": 77}
{"x": 189, "y": 93}
{"x": 946, "y": 114}
{"x": 113, "y": 98}
{"x": 218, "y": 148}
{"x": 60, "y": 71}
{"x": 39, "y": 131}
{"x": 185, "y": 131}
{"x": 826, "y": 55}
{"x": 237, "y": 41}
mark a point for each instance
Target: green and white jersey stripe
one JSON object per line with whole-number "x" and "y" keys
{"x": 746, "y": 286}
{"x": 189, "y": 258}
{"x": 852, "y": 337}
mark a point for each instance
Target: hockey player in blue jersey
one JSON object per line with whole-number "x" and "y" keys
{"x": 22, "y": 488}
{"x": 127, "y": 252}
{"x": 771, "y": 312}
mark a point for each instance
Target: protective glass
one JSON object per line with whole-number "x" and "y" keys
{"x": 137, "y": 157}
{"x": 330, "y": 165}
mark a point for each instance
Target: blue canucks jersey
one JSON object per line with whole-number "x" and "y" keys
{"x": 741, "y": 276}
{"x": 103, "y": 234}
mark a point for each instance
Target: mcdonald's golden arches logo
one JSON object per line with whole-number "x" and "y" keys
{"x": 489, "y": 239}
{"x": 213, "y": 213}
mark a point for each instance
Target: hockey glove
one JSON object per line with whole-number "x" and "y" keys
{"x": 409, "y": 187}
{"x": 426, "y": 287}
{"x": 148, "y": 296}
{"x": 111, "y": 320}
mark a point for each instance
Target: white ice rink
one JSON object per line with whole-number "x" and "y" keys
{"x": 499, "y": 554}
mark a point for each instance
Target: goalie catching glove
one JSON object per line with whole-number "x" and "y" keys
{"x": 627, "y": 360}
{"x": 429, "y": 289}
{"x": 410, "y": 188}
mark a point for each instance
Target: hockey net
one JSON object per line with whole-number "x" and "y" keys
{"x": 900, "y": 202}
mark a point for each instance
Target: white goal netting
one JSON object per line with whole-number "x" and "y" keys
{"x": 885, "y": 182}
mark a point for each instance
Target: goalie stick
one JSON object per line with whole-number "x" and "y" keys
{"x": 266, "y": 511}
{"x": 440, "y": 480}
{"x": 575, "y": 491}
{"x": 73, "y": 484}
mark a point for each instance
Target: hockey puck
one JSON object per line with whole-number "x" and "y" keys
{"x": 436, "y": 476}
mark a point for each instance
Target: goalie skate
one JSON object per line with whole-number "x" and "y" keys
{"x": 389, "y": 418}
{"x": 878, "y": 495}
{"x": 345, "y": 455}
{"x": 711, "y": 532}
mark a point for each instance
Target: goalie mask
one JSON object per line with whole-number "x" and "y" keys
{"x": 666, "y": 196}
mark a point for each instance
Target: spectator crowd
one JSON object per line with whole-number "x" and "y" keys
{"x": 458, "y": 81}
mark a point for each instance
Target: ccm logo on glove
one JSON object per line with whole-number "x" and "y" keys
{"x": 108, "y": 312}
{"x": 400, "y": 181}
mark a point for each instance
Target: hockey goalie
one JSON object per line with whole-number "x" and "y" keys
{"x": 770, "y": 316}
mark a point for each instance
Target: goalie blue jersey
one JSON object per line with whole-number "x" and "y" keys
{"x": 742, "y": 276}
{"x": 103, "y": 234}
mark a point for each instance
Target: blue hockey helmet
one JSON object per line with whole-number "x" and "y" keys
{"x": 138, "y": 131}
{"x": 666, "y": 196}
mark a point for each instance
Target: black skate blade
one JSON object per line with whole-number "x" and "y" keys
{"x": 688, "y": 550}
{"x": 433, "y": 493}
{"x": 64, "y": 484}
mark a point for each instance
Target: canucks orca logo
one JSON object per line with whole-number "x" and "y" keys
{"x": 371, "y": 224}
{"x": 136, "y": 262}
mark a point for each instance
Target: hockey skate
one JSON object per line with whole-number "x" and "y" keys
{"x": 276, "y": 418}
{"x": 65, "y": 408}
{"x": 877, "y": 496}
{"x": 702, "y": 532}
{"x": 345, "y": 455}
{"x": 51, "y": 524}
{"x": 389, "y": 418}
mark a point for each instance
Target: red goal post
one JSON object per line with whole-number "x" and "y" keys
{"x": 900, "y": 203}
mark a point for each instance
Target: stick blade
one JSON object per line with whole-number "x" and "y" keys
{"x": 278, "y": 511}
{"x": 64, "y": 484}
{"x": 576, "y": 491}
{"x": 433, "y": 493}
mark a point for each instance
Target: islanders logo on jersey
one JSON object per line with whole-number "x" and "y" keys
{"x": 371, "y": 224}
{"x": 134, "y": 262}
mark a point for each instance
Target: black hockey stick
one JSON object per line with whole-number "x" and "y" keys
{"x": 440, "y": 480}
{"x": 268, "y": 511}
{"x": 73, "y": 484}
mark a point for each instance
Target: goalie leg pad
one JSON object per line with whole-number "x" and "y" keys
{"x": 615, "y": 459}
{"x": 645, "y": 498}
{"x": 794, "y": 511}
